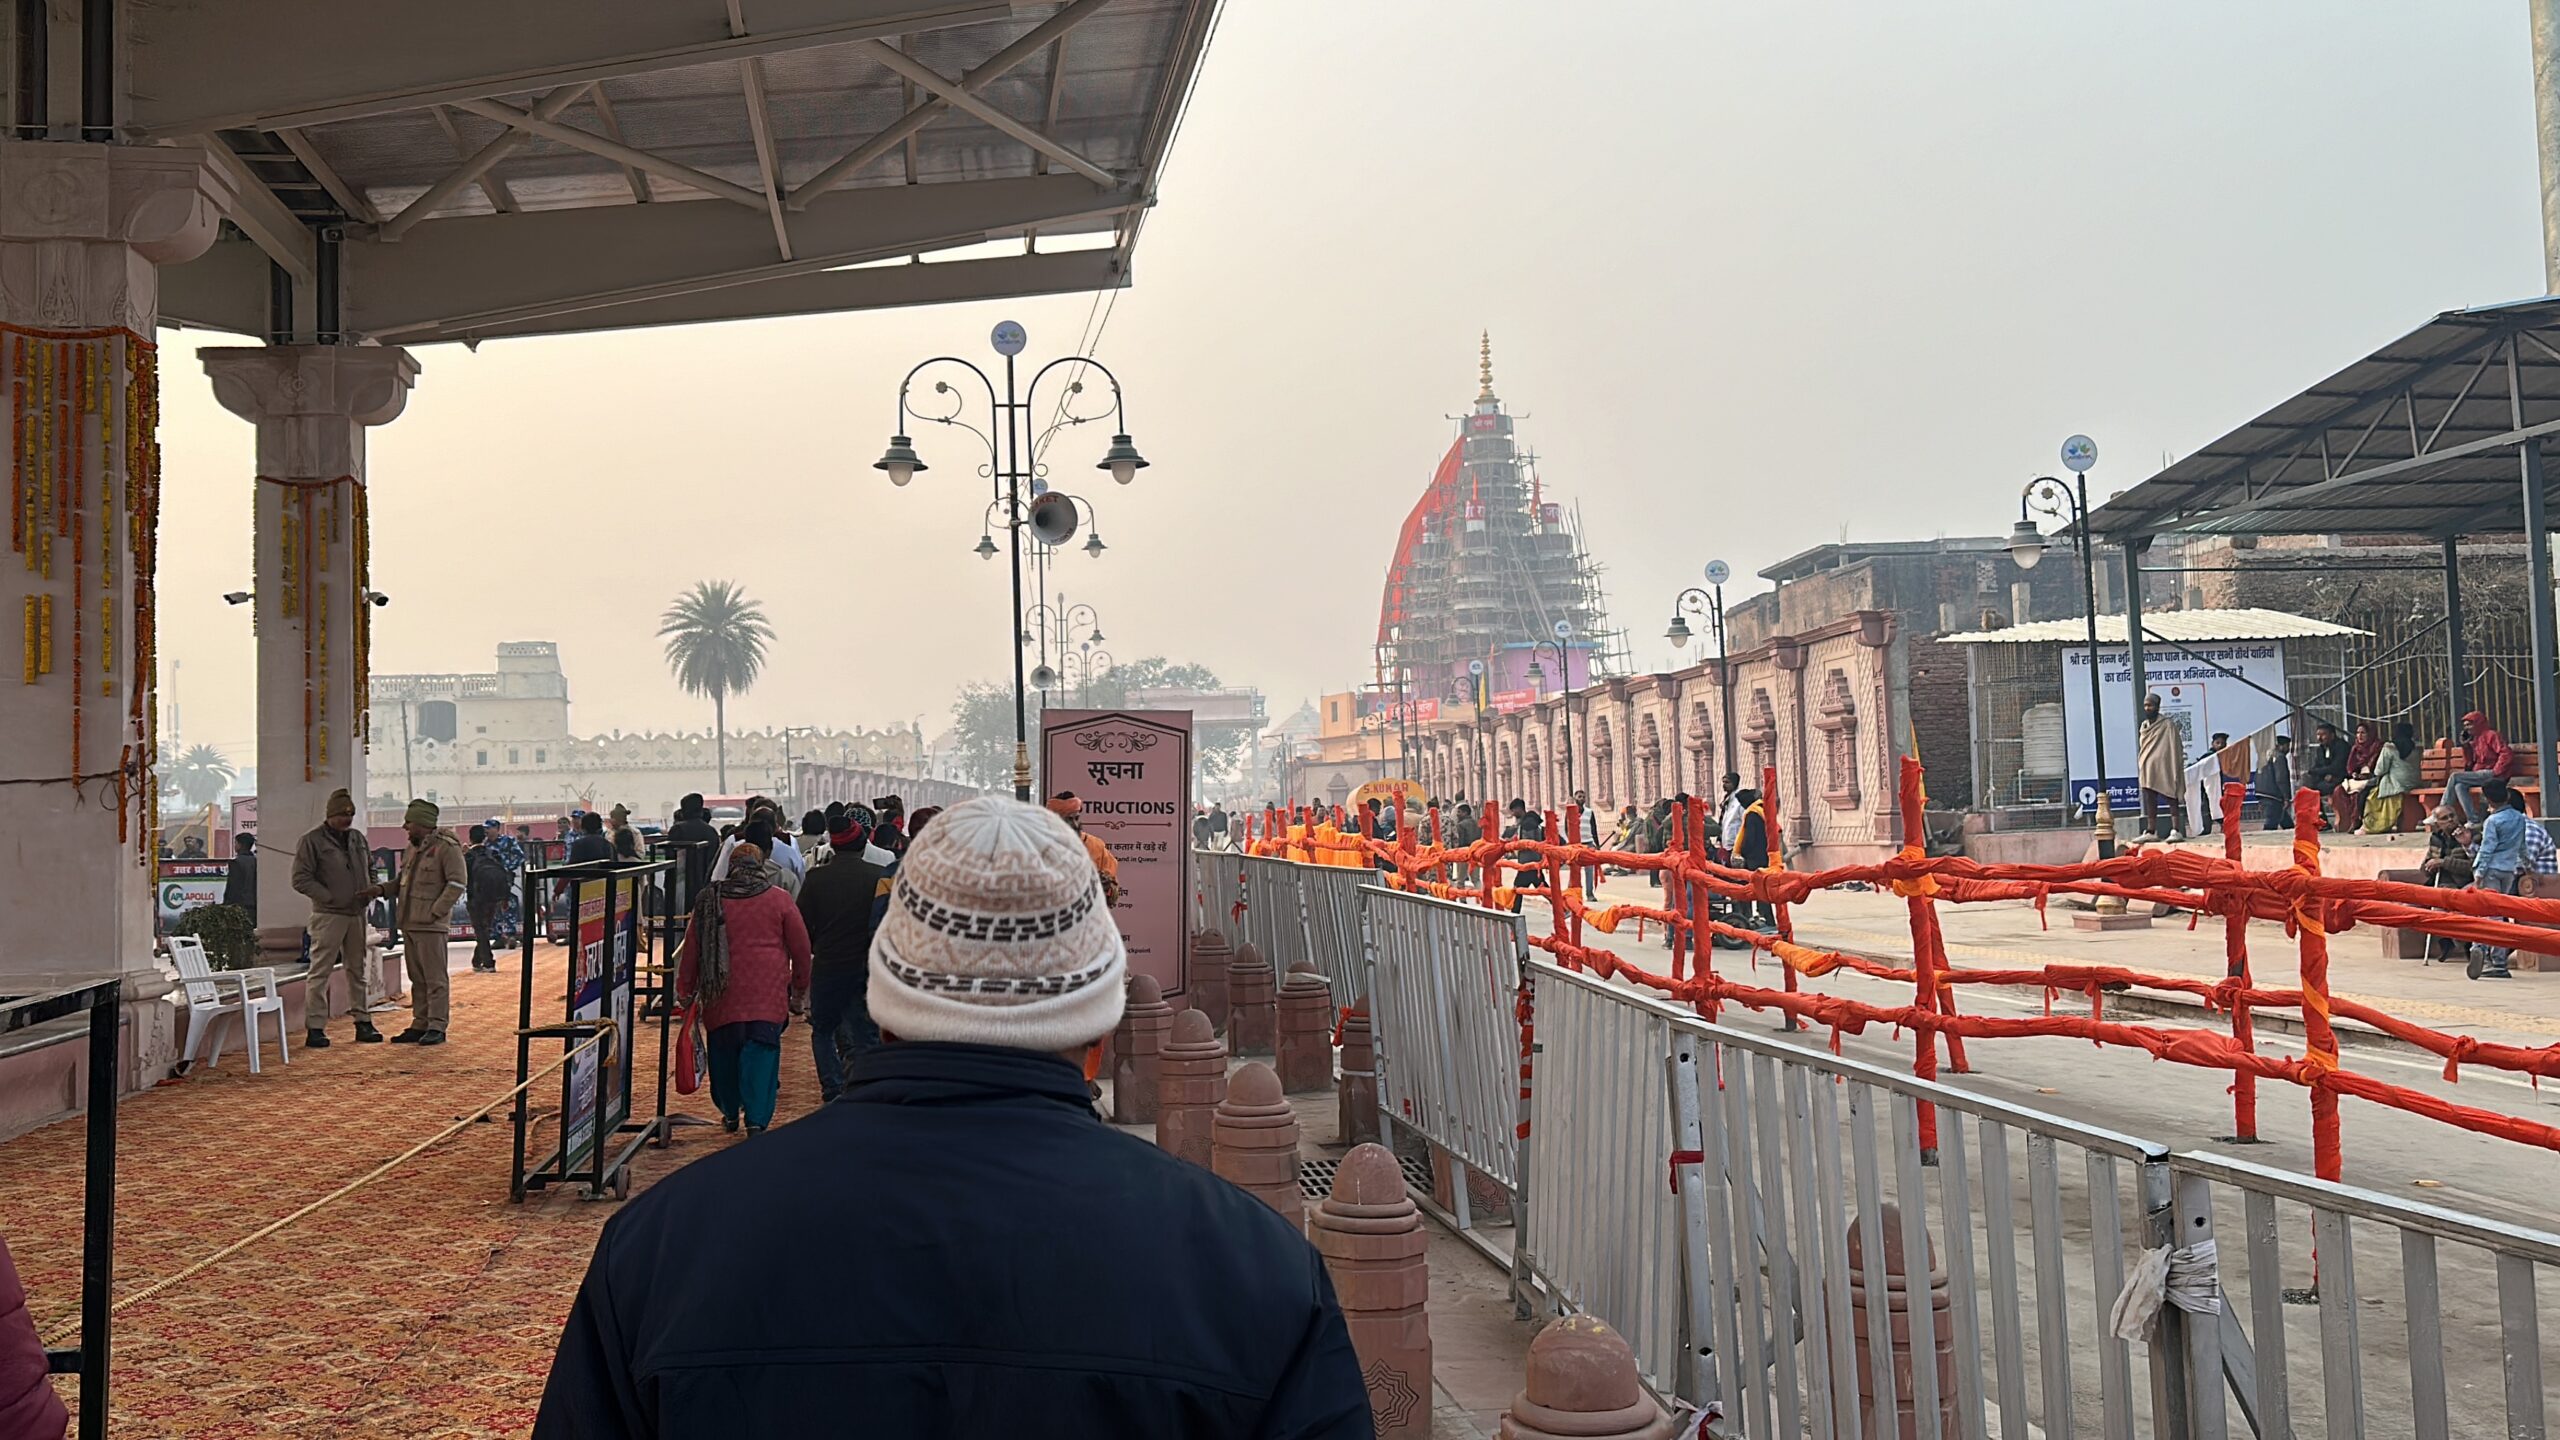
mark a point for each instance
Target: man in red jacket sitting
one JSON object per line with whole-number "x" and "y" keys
{"x": 2486, "y": 756}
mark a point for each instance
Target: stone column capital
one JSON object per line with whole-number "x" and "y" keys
{"x": 367, "y": 384}
{"x": 165, "y": 201}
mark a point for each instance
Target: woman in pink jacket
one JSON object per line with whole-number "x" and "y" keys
{"x": 746, "y": 959}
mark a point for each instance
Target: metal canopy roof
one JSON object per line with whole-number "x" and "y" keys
{"x": 508, "y": 168}
{"x": 2418, "y": 438}
{"x": 2182, "y": 626}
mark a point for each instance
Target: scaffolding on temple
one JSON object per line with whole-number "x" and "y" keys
{"x": 1485, "y": 569}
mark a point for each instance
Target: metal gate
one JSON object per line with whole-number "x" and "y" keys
{"x": 1331, "y": 894}
{"x": 1444, "y": 1002}
{"x": 1275, "y": 922}
{"x": 1217, "y": 890}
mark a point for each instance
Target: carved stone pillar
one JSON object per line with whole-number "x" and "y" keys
{"x": 83, "y": 232}
{"x": 311, "y": 405}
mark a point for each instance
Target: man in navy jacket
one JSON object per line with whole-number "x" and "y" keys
{"x": 958, "y": 1247}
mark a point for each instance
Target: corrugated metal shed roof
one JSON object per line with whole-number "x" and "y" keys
{"x": 2418, "y": 438}
{"x": 2186, "y": 627}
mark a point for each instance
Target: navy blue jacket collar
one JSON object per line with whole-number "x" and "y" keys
{"x": 913, "y": 1072}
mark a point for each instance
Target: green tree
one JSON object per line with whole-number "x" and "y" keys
{"x": 982, "y": 718}
{"x": 200, "y": 775}
{"x": 716, "y": 639}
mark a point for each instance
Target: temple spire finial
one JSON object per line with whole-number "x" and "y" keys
{"x": 1484, "y": 367}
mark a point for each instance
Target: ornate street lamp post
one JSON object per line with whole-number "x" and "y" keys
{"x": 1011, "y": 464}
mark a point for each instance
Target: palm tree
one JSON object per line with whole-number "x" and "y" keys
{"x": 200, "y": 774}
{"x": 716, "y": 639}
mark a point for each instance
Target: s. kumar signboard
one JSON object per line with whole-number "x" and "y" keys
{"x": 1132, "y": 771}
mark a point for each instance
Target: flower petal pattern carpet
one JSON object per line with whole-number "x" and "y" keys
{"x": 424, "y": 1304}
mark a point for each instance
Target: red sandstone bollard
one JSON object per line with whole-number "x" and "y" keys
{"x": 1942, "y": 1326}
{"x": 1210, "y": 957}
{"x": 1194, "y": 1069}
{"x": 1253, "y": 1024}
{"x": 1306, "y": 1031}
{"x": 1370, "y": 1234}
{"x": 1356, "y": 1113}
{"x": 1254, "y": 1142}
{"x": 1582, "y": 1384}
{"x": 1137, "y": 1053}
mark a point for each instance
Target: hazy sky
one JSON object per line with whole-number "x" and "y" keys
{"x": 1758, "y": 275}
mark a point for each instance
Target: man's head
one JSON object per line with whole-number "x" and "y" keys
{"x": 1067, "y": 807}
{"x": 2283, "y": 743}
{"x": 2498, "y": 793}
{"x": 2324, "y": 732}
{"x": 1732, "y": 782}
{"x": 591, "y": 823}
{"x": 1582, "y": 798}
{"x": 814, "y": 823}
{"x": 524, "y": 832}
{"x": 243, "y": 844}
{"x": 1517, "y": 806}
{"x": 2513, "y": 799}
{"x": 691, "y": 804}
{"x": 2444, "y": 817}
{"x": 997, "y": 934}
{"x": 2151, "y": 706}
{"x": 479, "y": 834}
{"x": 340, "y": 813}
{"x": 1747, "y": 797}
{"x": 759, "y": 833}
{"x": 2473, "y": 722}
{"x": 2221, "y": 738}
{"x": 848, "y": 826}
{"x": 420, "y": 821}
{"x": 620, "y": 815}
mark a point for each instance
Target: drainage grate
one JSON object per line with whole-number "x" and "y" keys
{"x": 1315, "y": 1177}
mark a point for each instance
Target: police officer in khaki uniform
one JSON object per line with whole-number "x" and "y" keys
{"x": 432, "y": 877}
{"x": 334, "y": 871}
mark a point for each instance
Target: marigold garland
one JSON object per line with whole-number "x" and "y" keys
{"x": 58, "y": 379}
{"x": 308, "y": 530}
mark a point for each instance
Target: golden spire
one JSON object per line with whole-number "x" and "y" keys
{"x": 1485, "y": 367}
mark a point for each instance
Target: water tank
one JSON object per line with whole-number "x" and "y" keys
{"x": 2042, "y": 728}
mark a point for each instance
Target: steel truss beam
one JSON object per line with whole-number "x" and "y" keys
{"x": 487, "y": 274}
{"x": 959, "y": 97}
{"x": 595, "y": 144}
{"x": 1003, "y": 62}
{"x": 198, "y": 68}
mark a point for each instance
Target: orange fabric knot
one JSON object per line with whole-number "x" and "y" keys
{"x": 2226, "y": 995}
{"x": 2463, "y": 1048}
{"x": 1922, "y": 888}
{"x": 1605, "y": 921}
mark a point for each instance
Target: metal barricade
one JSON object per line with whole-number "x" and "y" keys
{"x": 2308, "y": 1289}
{"x": 1743, "y": 1175}
{"x": 1331, "y": 895}
{"x": 1275, "y": 920}
{"x": 1217, "y": 877}
{"x": 1444, "y": 1006}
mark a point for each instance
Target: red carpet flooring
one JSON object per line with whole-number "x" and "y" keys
{"x": 424, "y": 1304}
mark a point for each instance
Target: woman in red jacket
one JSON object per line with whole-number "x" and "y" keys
{"x": 746, "y": 958}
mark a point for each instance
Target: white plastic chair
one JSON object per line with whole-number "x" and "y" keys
{"x": 207, "y": 1007}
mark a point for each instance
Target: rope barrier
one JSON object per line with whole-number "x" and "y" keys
{"x": 2310, "y": 906}
{"x": 62, "y": 1332}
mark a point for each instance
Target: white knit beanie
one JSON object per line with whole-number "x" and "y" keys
{"x": 998, "y": 934}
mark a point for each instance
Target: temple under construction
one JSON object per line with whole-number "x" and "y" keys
{"x": 1488, "y": 573}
